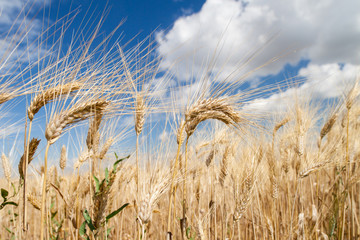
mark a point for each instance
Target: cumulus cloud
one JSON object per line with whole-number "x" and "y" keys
{"x": 323, "y": 81}
{"x": 236, "y": 37}
{"x": 323, "y": 31}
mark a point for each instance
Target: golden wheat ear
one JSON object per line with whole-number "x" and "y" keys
{"x": 4, "y": 97}
{"x": 34, "y": 143}
{"x": 58, "y": 123}
{"x": 63, "y": 157}
{"x": 6, "y": 167}
{"x": 49, "y": 95}
{"x": 211, "y": 108}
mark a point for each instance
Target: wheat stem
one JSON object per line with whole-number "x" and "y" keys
{"x": 172, "y": 183}
{"x": 43, "y": 201}
{"x": 25, "y": 176}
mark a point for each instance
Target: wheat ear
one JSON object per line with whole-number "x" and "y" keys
{"x": 139, "y": 123}
{"x": 75, "y": 114}
{"x": 32, "y": 149}
{"x": 6, "y": 167}
{"x": 93, "y": 136}
{"x": 4, "y": 97}
{"x": 63, "y": 157}
{"x": 201, "y": 110}
{"x": 105, "y": 148}
{"x": 328, "y": 126}
{"x": 211, "y": 108}
{"x": 49, "y": 95}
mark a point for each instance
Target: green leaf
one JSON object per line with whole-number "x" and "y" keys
{"x": 108, "y": 232}
{"x": 7, "y": 229}
{"x": 97, "y": 184}
{"x": 116, "y": 211}
{"x": 4, "y": 194}
{"x": 107, "y": 175}
{"x": 9, "y": 203}
{"x": 53, "y": 215}
{"x": 188, "y": 232}
{"x": 14, "y": 188}
{"x": 117, "y": 162}
{"x": 82, "y": 230}
{"x": 88, "y": 220}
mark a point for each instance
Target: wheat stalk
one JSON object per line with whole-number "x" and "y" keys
{"x": 36, "y": 104}
{"x": 54, "y": 129}
{"x": 93, "y": 136}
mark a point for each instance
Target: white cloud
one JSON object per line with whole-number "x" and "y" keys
{"x": 325, "y": 31}
{"x": 323, "y": 81}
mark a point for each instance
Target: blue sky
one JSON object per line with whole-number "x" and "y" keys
{"x": 317, "y": 42}
{"x": 142, "y": 17}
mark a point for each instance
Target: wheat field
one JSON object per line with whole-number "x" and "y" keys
{"x": 94, "y": 171}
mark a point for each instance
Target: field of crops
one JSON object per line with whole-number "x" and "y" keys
{"x": 87, "y": 163}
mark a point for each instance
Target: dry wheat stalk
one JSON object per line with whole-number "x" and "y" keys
{"x": 34, "y": 143}
{"x": 63, "y": 157}
{"x": 93, "y": 136}
{"x": 300, "y": 131}
{"x": 352, "y": 95}
{"x": 179, "y": 136}
{"x": 77, "y": 113}
{"x": 52, "y": 178}
{"x": 50, "y": 94}
{"x": 54, "y": 129}
{"x": 273, "y": 175}
{"x": 6, "y": 167}
{"x": 211, "y": 108}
